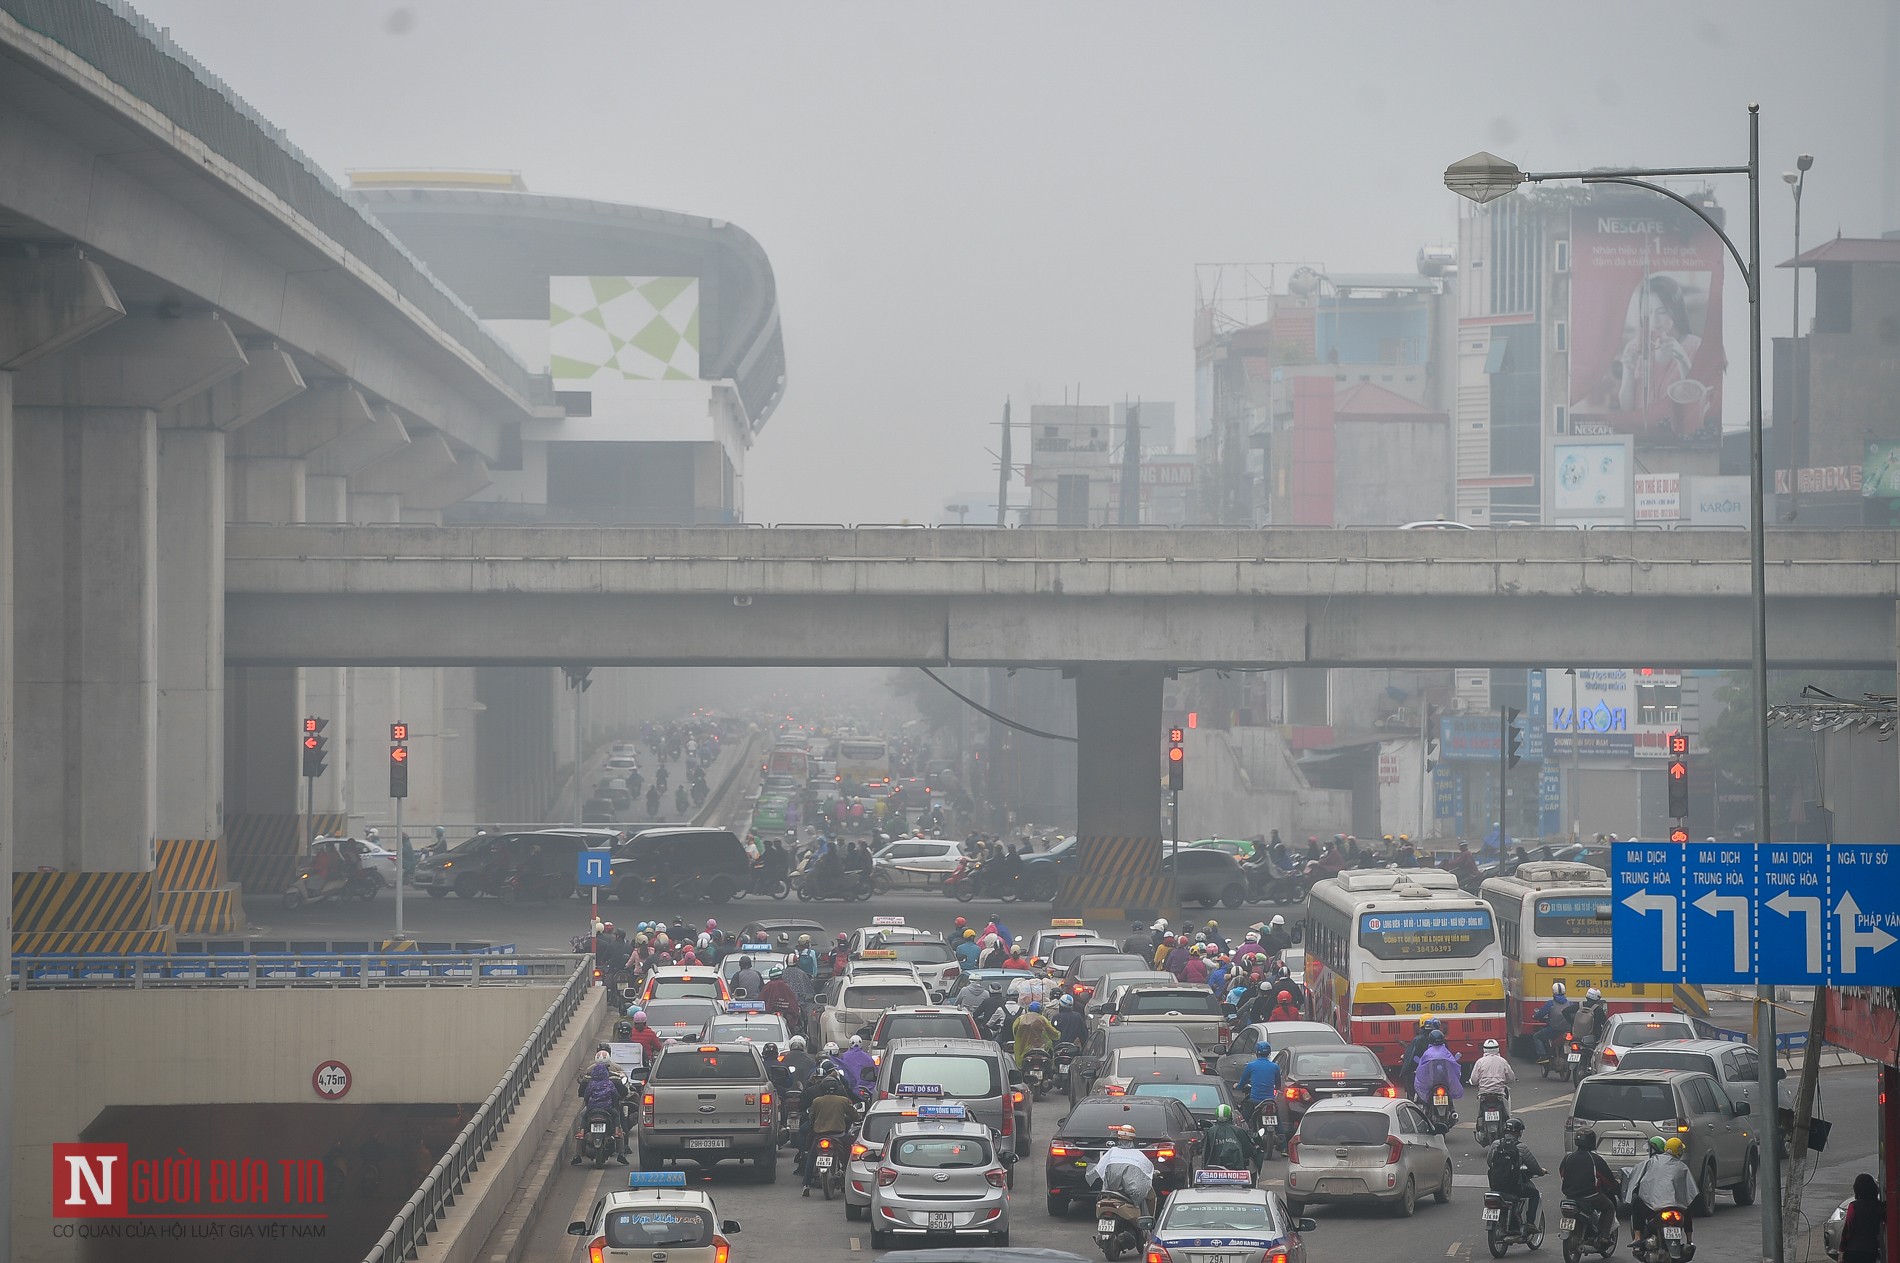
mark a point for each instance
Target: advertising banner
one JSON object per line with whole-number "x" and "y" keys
{"x": 1658, "y": 497}
{"x": 1716, "y": 500}
{"x": 1590, "y": 478}
{"x": 1646, "y": 355}
{"x": 1608, "y": 718}
{"x": 1880, "y": 470}
{"x": 1468, "y": 738}
{"x": 1532, "y": 721}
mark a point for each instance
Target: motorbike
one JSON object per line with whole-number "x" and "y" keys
{"x": 1580, "y": 1231}
{"x": 1577, "y": 1057}
{"x": 1120, "y": 1226}
{"x": 1064, "y": 1057}
{"x": 538, "y": 887}
{"x": 972, "y": 879}
{"x": 828, "y": 1163}
{"x": 770, "y": 887}
{"x": 1504, "y": 1225}
{"x": 1001, "y": 1019}
{"x": 1266, "y": 1127}
{"x": 1036, "y": 1073}
{"x": 699, "y": 793}
{"x": 1439, "y": 1111}
{"x": 1493, "y": 1112}
{"x": 599, "y": 1132}
{"x": 790, "y": 1120}
{"x": 855, "y": 887}
{"x": 1666, "y": 1238}
{"x": 361, "y": 883}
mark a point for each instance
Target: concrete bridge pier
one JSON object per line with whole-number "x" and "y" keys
{"x": 1117, "y": 874}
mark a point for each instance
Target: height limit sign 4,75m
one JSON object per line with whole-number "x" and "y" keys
{"x": 1786, "y": 914}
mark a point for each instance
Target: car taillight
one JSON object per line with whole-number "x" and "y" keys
{"x": 1393, "y": 1150}
{"x": 722, "y": 1250}
{"x": 886, "y": 1176}
{"x": 1164, "y": 1155}
{"x": 646, "y": 1108}
{"x": 1609, "y": 1056}
{"x": 996, "y": 1178}
{"x": 1226, "y": 1033}
{"x": 1390, "y": 1091}
{"x": 1275, "y": 1255}
{"x": 597, "y": 1250}
{"x": 858, "y": 1151}
{"x": 1009, "y": 1117}
{"x": 765, "y": 1109}
{"x": 1061, "y": 1151}
{"x": 1294, "y": 1092}
{"x": 1158, "y": 1254}
{"x": 1293, "y": 1148}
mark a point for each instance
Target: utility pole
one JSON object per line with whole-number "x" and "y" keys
{"x": 1002, "y": 474}
{"x": 1131, "y": 463}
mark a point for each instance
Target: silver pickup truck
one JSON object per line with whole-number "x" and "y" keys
{"x": 1193, "y": 1009}
{"x": 710, "y": 1103}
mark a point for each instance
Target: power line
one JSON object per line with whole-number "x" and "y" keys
{"x": 980, "y": 708}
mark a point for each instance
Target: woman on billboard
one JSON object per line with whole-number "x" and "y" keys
{"x": 1655, "y": 363}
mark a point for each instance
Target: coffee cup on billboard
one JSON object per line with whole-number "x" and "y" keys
{"x": 1688, "y": 405}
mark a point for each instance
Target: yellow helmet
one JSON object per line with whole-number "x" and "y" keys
{"x": 969, "y": 934}
{"x": 1674, "y": 1145}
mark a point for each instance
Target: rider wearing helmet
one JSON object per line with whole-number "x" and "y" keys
{"x": 1420, "y": 1042}
{"x": 1657, "y": 1182}
{"x": 1285, "y": 1009}
{"x": 1491, "y": 1074}
{"x": 640, "y": 1033}
{"x": 1033, "y": 1031}
{"x": 1071, "y": 1027}
{"x": 1589, "y": 1182}
{"x": 1260, "y": 1078}
{"x": 1224, "y": 1144}
{"x": 1437, "y": 1068}
{"x": 1555, "y": 1014}
{"x": 1510, "y": 1168}
{"x": 1591, "y": 1019}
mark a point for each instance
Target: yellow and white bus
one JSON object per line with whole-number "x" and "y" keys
{"x": 1549, "y": 932}
{"x": 1388, "y": 948}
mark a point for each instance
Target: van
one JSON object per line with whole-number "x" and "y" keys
{"x": 1626, "y": 1107}
{"x": 681, "y": 863}
{"x": 973, "y": 1071}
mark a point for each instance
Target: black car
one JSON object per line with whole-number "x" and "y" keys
{"x": 1203, "y": 1094}
{"x": 1205, "y": 876}
{"x": 1319, "y": 1072}
{"x": 1042, "y": 871}
{"x": 767, "y": 929}
{"x": 1104, "y": 1039}
{"x": 669, "y": 865}
{"x": 478, "y": 866}
{"x": 1164, "y": 1130}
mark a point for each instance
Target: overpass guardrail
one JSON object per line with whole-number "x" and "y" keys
{"x": 419, "y": 1216}
{"x": 391, "y": 969}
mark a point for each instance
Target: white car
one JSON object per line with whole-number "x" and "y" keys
{"x": 1633, "y": 1030}
{"x": 747, "y": 1027}
{"x": 657, "y": 1217}
{"x": 919, "y": 855}
{"x": 377, "y": 858}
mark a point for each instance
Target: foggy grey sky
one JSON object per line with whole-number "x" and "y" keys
{"x": 972, "y": 200}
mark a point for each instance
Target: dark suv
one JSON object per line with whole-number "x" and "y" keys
{"x": 477, "y": 866}
{"x": 666, "y": 865}
{"x": 1205, "y": 876}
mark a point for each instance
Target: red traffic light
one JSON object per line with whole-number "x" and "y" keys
{"x": 1678, "y": 744}
{"x": 1678, "y": 770}
{"x": 399, "y": 754}
{"x": 1679, "y": 835}
{"x": 310, "y": 742}
{"x": 1176, "y": 754}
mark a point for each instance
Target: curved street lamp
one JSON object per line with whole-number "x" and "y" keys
{"x": 1485, "y": 177}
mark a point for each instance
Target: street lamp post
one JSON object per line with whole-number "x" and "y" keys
{"x": 1797, "y": 400}
{"x": 1485, "y": 177}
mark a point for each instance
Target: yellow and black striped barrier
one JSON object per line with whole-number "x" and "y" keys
{"x": 190, "y": 863}
{"x": 91, "y": 942}
{"x": 200, "y": 911}
{"x": 1116, "y": 877}
{"x": 62, "y": 902}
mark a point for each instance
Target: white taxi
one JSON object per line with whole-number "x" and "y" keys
{"x": 657, "y": 1217}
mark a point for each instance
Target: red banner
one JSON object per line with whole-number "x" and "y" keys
{"x": 1857, "y": 1024}
{"x": 1645, "y": 330}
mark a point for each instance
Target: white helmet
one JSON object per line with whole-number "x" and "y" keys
{"x": 1593, "y": 994}
{"x": 603, "y": 1055}
{"x": 831, "y": 1048}
{"x": 1160, "y": 924}
{"x": 1277, "y": 920}
{"x": 796, "y": 1043}
{"x": 1253, "y": 936}
{"x": 1556, "y": 990}
{"x": 1490, "y": 1045}
{"x": 856, "y": 1042}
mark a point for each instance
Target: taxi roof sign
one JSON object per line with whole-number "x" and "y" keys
{"x": 887, "y": 920}
{"x": 917, "y": 1089}
{"x": 1065, "y": 923}
{"x": 746, "y": 1006}
{"x": 656, "y": 1179}
{"x": 953, "y": 1110}
{"x": 878, "y": 953}
{"x": 1222, "y": 1177}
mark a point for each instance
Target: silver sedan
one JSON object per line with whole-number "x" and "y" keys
{"x": 940, "y": 1177}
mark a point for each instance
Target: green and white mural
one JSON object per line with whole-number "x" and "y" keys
{"x": 630, "y": 328}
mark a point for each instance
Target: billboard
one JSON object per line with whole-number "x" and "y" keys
{"x": 1590, "y": 478}
{"x": 623, "y": 328}
{"x": 1880, "y": 470}
{"x": 1608, "y": 717}
{"x": 1716, "y": 500}
{"x": 1645, "y": 335}
{"x": 1658, "y": 497}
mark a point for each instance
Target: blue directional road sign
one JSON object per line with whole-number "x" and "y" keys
{"x": 594, "y": 869}
{"x": 1785, "y": 915}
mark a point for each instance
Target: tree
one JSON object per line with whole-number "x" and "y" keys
{"x": 1730, "y": 740}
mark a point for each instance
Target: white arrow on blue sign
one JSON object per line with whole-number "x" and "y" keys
{"x": 1785, "y": 914}
{"x": 595, "y": 869}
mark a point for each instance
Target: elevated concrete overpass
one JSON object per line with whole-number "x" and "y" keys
{"x": 1070, "y": 598}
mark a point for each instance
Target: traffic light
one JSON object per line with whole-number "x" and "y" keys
{"x": 1177, "y": 760}
{"x": 1678, "y": 777}
{"x": 316, "y": 746}
{"x": 1679, "y": 835}
{"x": 1513, "y": 738}
{"x": 399, "y": 760}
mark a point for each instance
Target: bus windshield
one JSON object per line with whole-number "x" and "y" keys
{"x": 1426, "y": 933}
{"x": 1569, "y": 916}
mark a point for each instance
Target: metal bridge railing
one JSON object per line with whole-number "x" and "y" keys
{"x": 419, "y": 1215}
{"x": 395, "y": 969}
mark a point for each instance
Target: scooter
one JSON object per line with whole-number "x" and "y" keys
{"x": 1666, "y": 1238}
{"x": 856, "y": 887}
{"x": 1578, "y": 1055}
{"x": 1493, "y": 1112}
{"x": 362, "y": 883}
{"x": 828, "y": 1163}
{"x": 1266, "y": 1127}
{"x": 1120, "y": 1226}
{"x": 1580, "y": 1231}
{"x": 1036, "y": 1073}
{"x": 1064, "y": 1057}
{"x": 1504, "y": 1225}
{"x": 600, "y": 1131}
{"x": 1439, "y": 1111}
{"x": 773, "y": 888}
{"x": 1002, "y": 1019}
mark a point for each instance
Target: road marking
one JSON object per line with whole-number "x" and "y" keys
{"x": 1562, "y": 1102}
{"x": 855, "y": 1247}
{"x": 1451, "y": 1251}
{"x": 1469, "y": 1181}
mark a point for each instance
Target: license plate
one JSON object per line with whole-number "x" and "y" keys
{"x": 598, "y": 1129}
{"x": 1672, "y": 1232}
{"x": 1575, "y": 1058}
{"x": 1491, "y": 1214}
{"x": 824, "y": 1162}
{"x": 941, "y": 1221}
{"x": 706, "y": 1142}
{"x": 1623, "y": 1148}
{"x": 1568, "y": 1225}
{"x": 1105, "y": 1225}
{"x": 1491, "y": 1116}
